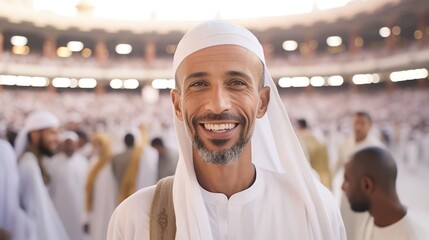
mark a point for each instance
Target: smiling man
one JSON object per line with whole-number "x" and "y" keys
{"x": 241, "y": 172}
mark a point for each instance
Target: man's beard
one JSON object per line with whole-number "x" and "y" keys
{"x": 44, "y": 150}
{"x": 224, "y": 156}
{"x": 361, "y": 206}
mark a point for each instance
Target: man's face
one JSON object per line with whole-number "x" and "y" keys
{"x": 219, "y": 98}
{"x": 351, "y": 187}
{"x": 69, "y": 147}
{"x": 48, "y": 141}
{"x": 361, "y": 127}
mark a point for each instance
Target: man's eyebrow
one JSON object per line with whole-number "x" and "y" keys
{"x": 195, "y": 75}
{"x": 238, "y": 74}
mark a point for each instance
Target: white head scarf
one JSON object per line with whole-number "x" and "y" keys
{"x": 36, "y": 121}
{"x": 274, "y": 144}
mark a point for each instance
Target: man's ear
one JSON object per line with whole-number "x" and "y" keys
{"x": 175, "y": 98}
{"x": 264, "y": 99}
{"x": 367, "y": 185}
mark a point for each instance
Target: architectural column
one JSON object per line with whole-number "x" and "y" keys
{"x": 150, "y": 52}
{"x": 268, "y": 50}
{"x": 50, "y": 46}
{"x": 391, "y": 41}
{"x": 100, "y": 89}
{"x": 423, "y": 28}
{"x": 101, "y": 52}
{"x": 355, "y": 42}
{"x": 1, "y": 43}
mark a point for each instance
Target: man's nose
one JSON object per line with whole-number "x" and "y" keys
{"x": 219, "y": 100}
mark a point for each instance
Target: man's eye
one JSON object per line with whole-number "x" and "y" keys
{"x": 237, "y": 83}
{"x": 198, "y": 84}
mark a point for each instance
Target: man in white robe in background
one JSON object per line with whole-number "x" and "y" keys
{"x": 67, "y": 171}
{"x": 241, "y": 173}
{"x": 101, "y": 189}
{"x": 38, "y": 139}
{"x": 370, "y": 186}
{"x": 13, "y": 221}
{"x": 361, "y": 139}
{"x": 148, "y": 167}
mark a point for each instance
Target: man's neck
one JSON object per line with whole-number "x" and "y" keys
{"x": 388, "y": 211}
{"x": 360, "y": 139}
{"x": 227, "y": 179}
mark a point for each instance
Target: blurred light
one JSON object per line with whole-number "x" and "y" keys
{"x": 360, "y": 79}
{"x": 150, "y": 95}
{"x": 336, "y": 80}
{"x": 8, "y": 80}
{"x": 358, "y": 42}
{"x": 396, "y": 30}
{"x": 21, "y": 50}
{"x": 23, "y": 81}
{"x": 418, "y": 34}
{"x": 290, "y": 45}
{"x": 86, "y": 53}
{"x": 123, "y": 49}
{"x": 116, "y": 83}
{"x": 74, "y": 83}
{"x": 384, "y": 32}
{"x": 61, "y": 82}
{"x": 63, "y": 52}
{"x": 160, "y": 84}
{"x": 294, "y": 82}
{"x": 171, "y": 48}
{"x": 87, "y": 83}
{"x": 18, "y": 41}
{"x": 172, "y": 83}
{"x": 75, "y": 46}
{"x": 285, "y": 82}
{"x": 39, "y": 82}
{"x": 409, "y": 75}
{"x": 334, "y": 41}
{"x": 131, "y": 84}
{"x": 317, "y": 81}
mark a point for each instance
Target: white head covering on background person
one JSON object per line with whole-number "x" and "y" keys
{"x": 274, "y": 144}
{"x": 69, "y": 135}
{"x": 35, "y": 121}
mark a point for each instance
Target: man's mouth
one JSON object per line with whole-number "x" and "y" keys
{"x": 219, "y": 127}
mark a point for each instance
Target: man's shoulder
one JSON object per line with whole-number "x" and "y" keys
{"x": 131, "y": 217}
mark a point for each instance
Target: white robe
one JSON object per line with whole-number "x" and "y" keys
{"x": 346, "y": 150}
{"x": 407, "y": 228}
{"x": 268, "y": 209}
{"x": 104, "y": 203}
{"x": 12, "y": 218}
{"x": 35, "y": 200}
{"x": 67, "y": 192}
{"x": 148, "y": 168}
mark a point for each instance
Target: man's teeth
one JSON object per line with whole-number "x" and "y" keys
{"x": 219, "y": 127}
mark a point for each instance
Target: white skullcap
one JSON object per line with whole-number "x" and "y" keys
{"x": 69, "y": 135}
{"x": 274, "y": 144}
{"x": 35, "y": 121}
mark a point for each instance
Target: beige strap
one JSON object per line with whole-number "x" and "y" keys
{"x": 162, "y": 218}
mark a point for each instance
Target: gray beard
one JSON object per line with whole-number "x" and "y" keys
{"x": 223, "y": 157}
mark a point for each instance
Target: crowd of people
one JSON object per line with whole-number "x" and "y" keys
{"x": 242, "y": 169}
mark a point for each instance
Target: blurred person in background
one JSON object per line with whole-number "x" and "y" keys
{"x": 36, "y": 140}
{"x": 370, "y": 186}
{"x": 67, "y": 171}
{"x": 361, "y": 138}
{"x": 167, "y": 160}
{"x": 14, "y": 223}
{"x": 315, "y": 152}
{"x": 101, "y": 189}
